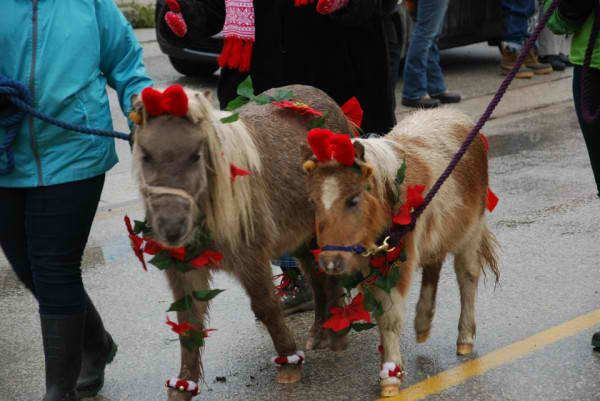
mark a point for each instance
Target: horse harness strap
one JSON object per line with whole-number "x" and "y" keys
{"x": 361, "y": 250}
{"x": 150, "y": 190}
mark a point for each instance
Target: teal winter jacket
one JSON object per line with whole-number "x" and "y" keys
{"x": 66, "y": 52}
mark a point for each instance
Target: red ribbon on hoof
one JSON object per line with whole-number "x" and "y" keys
{"x": 173, "y": 100}
{"x": 390, "y": 369}
{"x": 296, "y": 359}
{"x": 183, "y": 385}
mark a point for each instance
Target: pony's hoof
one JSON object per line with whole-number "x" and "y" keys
{"x": 175, "y": 395}
{"x": 338, "y": 343}
{"x": 389, "y": 390}
{"x": 289, "y": 374}
{"x": 422, "y": 337}
{"x": 464, "y": 349}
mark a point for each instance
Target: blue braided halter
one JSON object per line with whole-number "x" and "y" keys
{"x": 359, "y": 249}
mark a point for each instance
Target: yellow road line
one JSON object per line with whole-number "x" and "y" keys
{"x": 455, "y": 376}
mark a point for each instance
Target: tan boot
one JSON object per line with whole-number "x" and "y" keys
{"x": 509, "y": 57}
{"x": 532, "y": 62}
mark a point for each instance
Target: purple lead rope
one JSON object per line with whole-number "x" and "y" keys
{"x": 398, "y": 231}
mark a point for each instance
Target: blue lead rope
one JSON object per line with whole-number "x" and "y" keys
{"x": 20, "y": 98}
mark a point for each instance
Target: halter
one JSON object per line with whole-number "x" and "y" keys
{"x": 151, "y": 190}
{"x": 361, "y": 250}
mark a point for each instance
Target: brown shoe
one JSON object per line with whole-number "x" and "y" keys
{"x": 509, "y": 56}
{"x": 532, "y": 62}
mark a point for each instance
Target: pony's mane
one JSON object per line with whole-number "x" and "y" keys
{"x": 229, "y": 212}
{"x": 380, "y": 153}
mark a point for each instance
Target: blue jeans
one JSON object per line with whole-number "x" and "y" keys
{"x": 422, "y": 72}
{"x": 515, "y": 14}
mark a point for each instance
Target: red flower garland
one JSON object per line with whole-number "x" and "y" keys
{"x": 414, "y": 199}
{"x": 344, "y": 316}
{"x": 136, "y": 243}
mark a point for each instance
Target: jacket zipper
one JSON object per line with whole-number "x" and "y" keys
{"x": 34, "y": 148}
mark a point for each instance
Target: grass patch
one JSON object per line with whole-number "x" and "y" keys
{"x": 138, "y": 15}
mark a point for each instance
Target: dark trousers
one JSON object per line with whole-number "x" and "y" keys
{"x": 43, "y": 232}
{"x": 591, "y": 131}
{"x": 515, "y": 15}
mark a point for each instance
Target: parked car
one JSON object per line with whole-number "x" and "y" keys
{"x": 467, "y": 22}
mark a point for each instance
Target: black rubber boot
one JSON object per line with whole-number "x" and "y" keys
{"x": 596, "y": 341}
{"x": 62, "y": 337}
{"x": 99, "y": 350}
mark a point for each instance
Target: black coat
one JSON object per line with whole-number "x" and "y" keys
{"x": 345, "y": 53}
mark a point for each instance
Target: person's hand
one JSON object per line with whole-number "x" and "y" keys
{"x": 329, "y": 6}
{"x": 576, "y": 11}
{"x": 174, "y": 19}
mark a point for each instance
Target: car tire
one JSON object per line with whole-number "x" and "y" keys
{"x": 193, "y": 69}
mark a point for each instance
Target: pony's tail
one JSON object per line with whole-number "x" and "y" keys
{"x": 487, "y": 252}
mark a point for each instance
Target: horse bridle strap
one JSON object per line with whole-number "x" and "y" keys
{"x": 356, "y": 248}
{"x": 149, "y": 190}
{"x": 361, "y": 250}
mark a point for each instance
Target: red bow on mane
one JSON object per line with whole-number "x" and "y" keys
{"x": 327, "y": 146}
{"x": 173, "y": 100}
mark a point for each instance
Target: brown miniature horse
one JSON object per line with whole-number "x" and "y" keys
{"x": 354, "y": 208}
{"x": 183, "y": 165}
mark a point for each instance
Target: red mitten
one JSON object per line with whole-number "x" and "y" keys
{"x": 329, "y": 6}
{"x": 174, "y": 19}
{"x": 299, "y": 3}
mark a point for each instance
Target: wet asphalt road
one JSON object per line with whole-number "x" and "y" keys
{"x": 547, "y": 223}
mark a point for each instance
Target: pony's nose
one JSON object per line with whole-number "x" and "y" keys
{"x": 332, "y": 264}
{"x": 172, "y": 228}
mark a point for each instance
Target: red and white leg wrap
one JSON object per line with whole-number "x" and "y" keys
{"x": 391, "y": 370}
{"x": 183, "y": 385}
{"x": 296, "y": 359}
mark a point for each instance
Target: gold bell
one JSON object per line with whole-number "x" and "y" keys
{"x": 181, "y": 388}
{"x": 135, "y": 117}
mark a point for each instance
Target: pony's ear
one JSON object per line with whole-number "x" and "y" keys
{"x": 359, "y": 151}
{"x": 310, "y": 161}
{"x": 208, "y": 94}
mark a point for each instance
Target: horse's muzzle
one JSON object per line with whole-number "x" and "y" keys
{"x": 332, "y": 264}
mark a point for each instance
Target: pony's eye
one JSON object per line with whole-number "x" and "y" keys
{"x": 195, "y": 157}
{"x": 352, "y": 201}
{"x": 146, "y": 158}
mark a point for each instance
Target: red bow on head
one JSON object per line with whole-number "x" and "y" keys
{"x": 327, "y": 146}
{"x": 172, "y": 101}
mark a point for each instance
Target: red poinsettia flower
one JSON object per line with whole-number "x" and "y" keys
{"x": 153, "y": 247}
{"x": 485, "y": 142}
{"x": 414, "y": 199}
{"x": 136, "y": 242}
{"x": 383, "y": 263}
{"x": 182, "y": 328}
{"x": 236, "y": 171}
{"x": 207, "y": 257}
{"x": 283, "y": 284}
{"x": 353, "y": 111}
{"x": 342, "y": 149}
{"x": 492, "y": 200}
{"x": 315, "y": 253}
{"x": 299, "y": 107}
{"x": 344, "y": 316}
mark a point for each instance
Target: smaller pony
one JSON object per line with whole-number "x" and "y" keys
{"x": 356, "y": 207}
